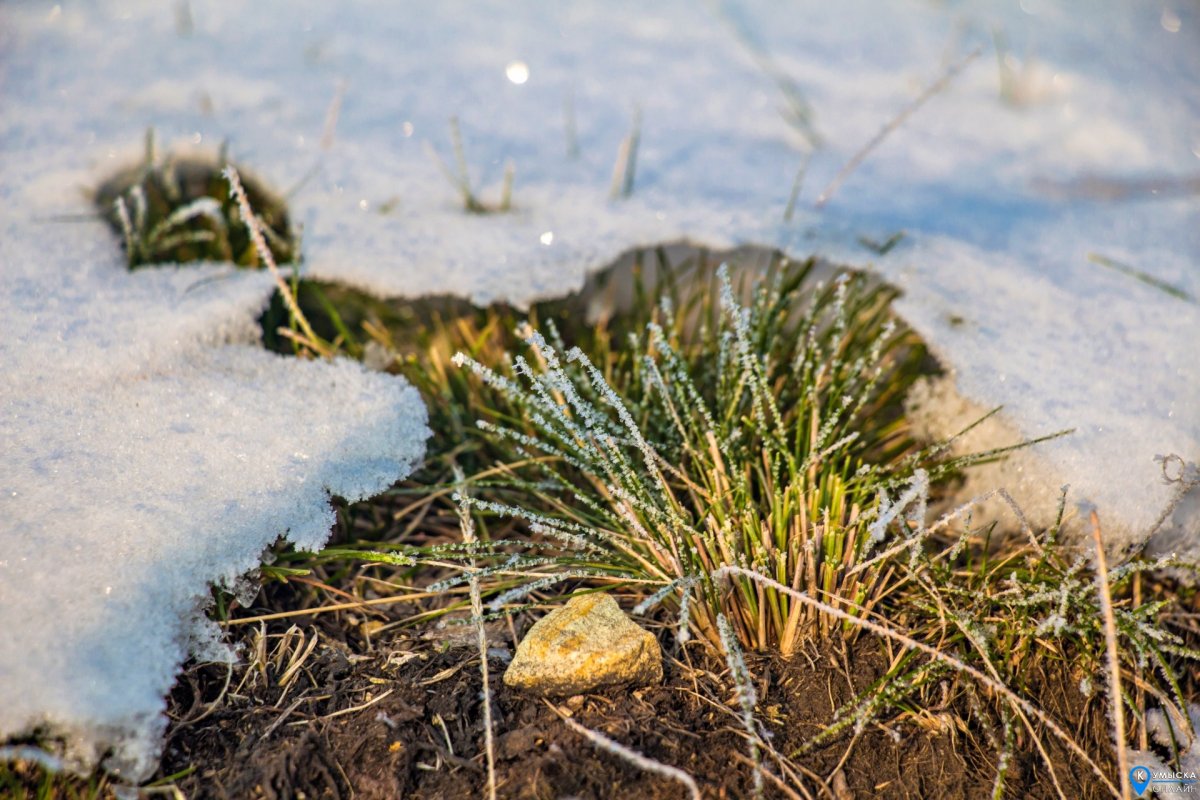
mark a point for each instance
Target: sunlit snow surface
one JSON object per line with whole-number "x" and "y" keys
{"x": 133, "y": 432}
{"x": 146, "y": 455}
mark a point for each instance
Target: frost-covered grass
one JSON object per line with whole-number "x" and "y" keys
{"x": 172, "y": 210}
{"x": 718, "y": 434}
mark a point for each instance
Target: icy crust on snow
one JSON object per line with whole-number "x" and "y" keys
{"x": 1094, "y": 148}
{"x": 125, "y": 495}
{"x": 1104, "y": 356}
{"x": 151, "y": 450}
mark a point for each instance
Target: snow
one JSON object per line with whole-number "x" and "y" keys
{"x": 130, "y": 400}
{"x": 1167, "y": 735}
{"x": 149, "y": 452}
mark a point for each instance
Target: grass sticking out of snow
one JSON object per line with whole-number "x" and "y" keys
{"x": 752, "y": 425}
{"x": 172, "y": 210}
{"x": 460, "y": 177}
{"x": 737, "y": 451}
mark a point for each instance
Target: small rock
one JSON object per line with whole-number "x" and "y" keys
{"x": 586, "y": 644}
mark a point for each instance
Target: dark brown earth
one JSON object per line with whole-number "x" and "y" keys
{"x": 402, "y": 717}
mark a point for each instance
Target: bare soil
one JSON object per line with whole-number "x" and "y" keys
{"x": 402, "y": 718}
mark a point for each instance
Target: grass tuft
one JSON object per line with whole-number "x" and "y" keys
{"x": 759, "y": 435}
{"x": 625, "y": 167}
{"x": 175, "y": 210}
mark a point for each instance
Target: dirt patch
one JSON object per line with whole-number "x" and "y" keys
{"x": 403, "y": 718}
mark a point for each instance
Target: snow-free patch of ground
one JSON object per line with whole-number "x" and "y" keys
{"x": 127, "y": 412}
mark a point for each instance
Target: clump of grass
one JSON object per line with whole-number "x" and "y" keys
{"x": 174, "y": 210}
{"x": 758, "y": 435}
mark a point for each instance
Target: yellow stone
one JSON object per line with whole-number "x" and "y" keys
{"x": 587, "y": 644}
